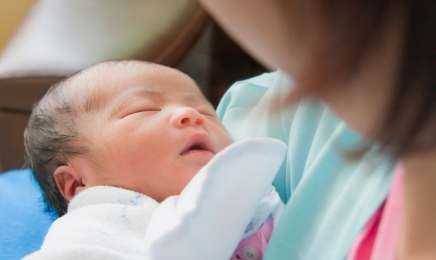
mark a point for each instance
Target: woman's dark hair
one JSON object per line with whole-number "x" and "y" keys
{"x": 413, "y": 108}
{"x": 348, "y": 29}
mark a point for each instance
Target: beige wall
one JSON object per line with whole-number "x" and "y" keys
{"x": 11, "y": 14}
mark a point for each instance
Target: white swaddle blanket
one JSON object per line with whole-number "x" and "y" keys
{"x": 231, "y": 196}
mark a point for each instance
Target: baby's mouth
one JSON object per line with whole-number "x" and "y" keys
{"x": 198, "y": 144}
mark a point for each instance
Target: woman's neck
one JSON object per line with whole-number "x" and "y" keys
{"x": 418, "y": 234}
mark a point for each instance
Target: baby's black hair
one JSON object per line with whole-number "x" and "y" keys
{"x": 50, "y": 138}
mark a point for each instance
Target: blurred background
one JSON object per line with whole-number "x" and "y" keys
{"x": 43, "y": 41}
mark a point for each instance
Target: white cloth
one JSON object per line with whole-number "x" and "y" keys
{"x": 230, "y": 196}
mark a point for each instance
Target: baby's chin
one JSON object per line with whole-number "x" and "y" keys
{"x": 200, "y": 165}
{"x": 194, "y": 168}
{"x": 198, "y": 158}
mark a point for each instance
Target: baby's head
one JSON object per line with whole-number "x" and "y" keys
{"x": 128, "y": 124}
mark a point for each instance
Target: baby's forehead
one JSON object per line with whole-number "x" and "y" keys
{"x": 97, "y": 87}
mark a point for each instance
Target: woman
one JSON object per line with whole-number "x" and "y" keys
{"x": 373, "y": 63}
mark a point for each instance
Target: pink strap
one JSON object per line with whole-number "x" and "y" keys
{"x": 379, "y": 238}
{"x": 386, "y": 243}
{"x": 363, "y": 245}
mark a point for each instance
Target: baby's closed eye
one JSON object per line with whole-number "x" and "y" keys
{"x": 141, "y": 110}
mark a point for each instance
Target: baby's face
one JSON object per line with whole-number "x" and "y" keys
{"x": 150, "y": 129}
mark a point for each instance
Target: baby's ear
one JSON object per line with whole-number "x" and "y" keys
{"x": 68, "y": 181}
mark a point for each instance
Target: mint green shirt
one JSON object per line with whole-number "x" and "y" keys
{"x": 328, "y": 197}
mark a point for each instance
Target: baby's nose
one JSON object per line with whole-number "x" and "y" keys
{"x": 187, "y": 116}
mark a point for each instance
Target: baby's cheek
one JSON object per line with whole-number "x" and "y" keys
{"x": 224, "y": 138}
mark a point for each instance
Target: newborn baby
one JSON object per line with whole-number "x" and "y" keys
{"x": 109, "y": 143}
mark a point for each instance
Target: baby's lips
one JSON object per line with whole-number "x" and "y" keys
{"x": 201, "y": 141}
